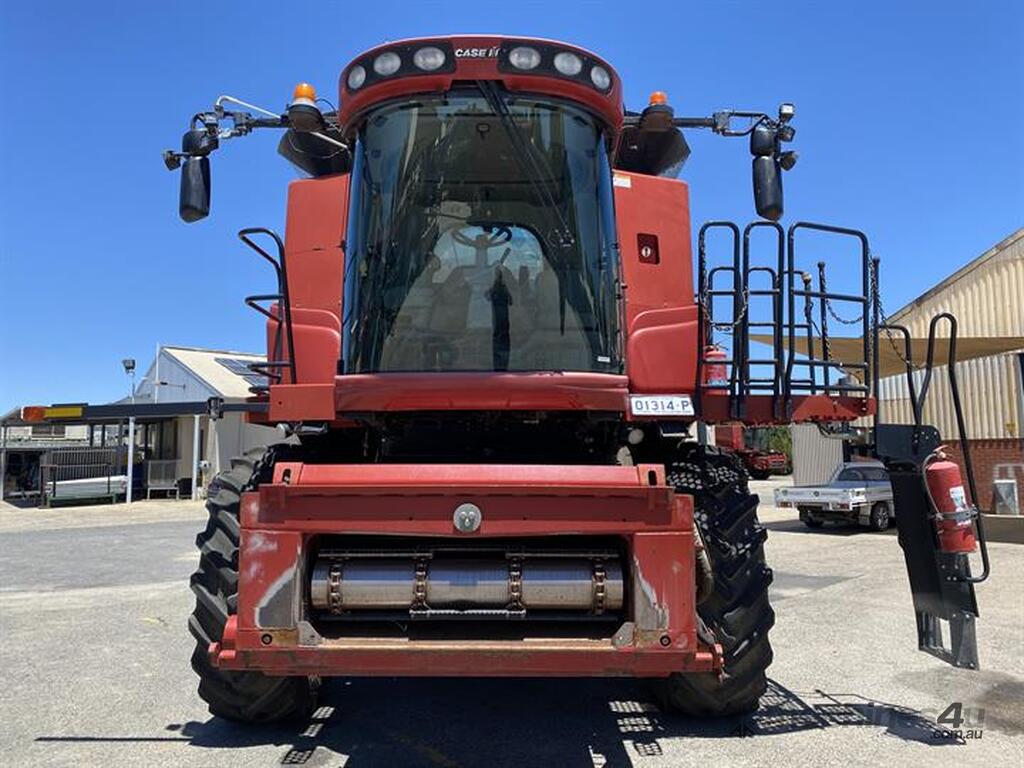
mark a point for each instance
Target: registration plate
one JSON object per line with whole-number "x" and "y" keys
{"x": 660, "y": 405}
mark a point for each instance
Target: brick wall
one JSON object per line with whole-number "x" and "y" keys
{"x": 993, "y": 460}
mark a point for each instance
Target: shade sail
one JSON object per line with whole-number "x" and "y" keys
{"x": 889, "y": 360}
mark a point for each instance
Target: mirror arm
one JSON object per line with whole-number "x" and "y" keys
{"x": 694, "y": 122}
{"x": 721, "y": 122}
{"x": 767, "y": 134}
{"x": 242, "y": 124}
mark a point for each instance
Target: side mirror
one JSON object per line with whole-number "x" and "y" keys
{"x": 194, "y": 197}
{"x": 768, "y": 187}
{"x": 764, "y": 144}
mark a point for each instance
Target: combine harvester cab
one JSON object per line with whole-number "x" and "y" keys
{"x": 489, "y": 344}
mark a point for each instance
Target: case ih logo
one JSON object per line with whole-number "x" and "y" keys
{"x": 476, "y": 53}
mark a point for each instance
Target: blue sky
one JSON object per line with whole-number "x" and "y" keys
{"x": 908, "y": 126}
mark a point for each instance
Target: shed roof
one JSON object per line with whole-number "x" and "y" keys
{"x": 212, "y": 368}
{"x": 900, "y": 315}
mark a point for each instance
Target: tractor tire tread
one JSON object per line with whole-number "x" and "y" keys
{"x": 241, "y": 696}
{"x": 738, "y": 613}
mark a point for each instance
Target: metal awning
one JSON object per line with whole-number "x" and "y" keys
{"x": 134, "y": 413}
{"x": 890, "y": 361}
{"x": 84, "y": 413}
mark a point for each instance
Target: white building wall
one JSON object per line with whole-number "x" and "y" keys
{"x": 815, "y": 457}
{"x": 167, "y": 380}
{"x": 170, "y": 380}
{"x": 233, "y": 436}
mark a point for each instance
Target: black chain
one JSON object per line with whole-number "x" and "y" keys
{"x": 726, "y": 326}
{"x": 884, "y": 319}
{"x": 832, "y": 312}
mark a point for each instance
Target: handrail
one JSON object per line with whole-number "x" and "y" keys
{"x": 284, "y": 316}
{"x": 705, "y": 313}
{"x": 958, "y": 411}
{"x": 776, "y": 296}
{"x": 864, "y": 299}
{"x": 908, "y": 360}
{"x": 787, "y": 286}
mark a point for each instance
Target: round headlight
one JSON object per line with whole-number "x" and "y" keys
{"x": 387, "y": 64}
{"x": 599, "y": 76}
{"x": 568, "y": 63}
{"x": 356, "y": 77}
{"x": 428, "y": 59}
{"x": 524, "y": 58}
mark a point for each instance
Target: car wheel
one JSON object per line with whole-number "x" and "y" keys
{"x": 880, "y": 517}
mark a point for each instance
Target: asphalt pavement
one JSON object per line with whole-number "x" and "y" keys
{"x": 94, "y": 670}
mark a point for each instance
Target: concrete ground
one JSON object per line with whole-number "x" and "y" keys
{"x": 94, "y": 669}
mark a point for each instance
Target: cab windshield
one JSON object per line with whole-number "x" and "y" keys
{"x": 481, "y": 238}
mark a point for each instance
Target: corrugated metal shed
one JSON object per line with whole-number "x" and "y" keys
{"x": 815, "y": 457}
{"x": 987, "y": 297}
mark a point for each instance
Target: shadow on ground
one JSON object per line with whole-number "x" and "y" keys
{"x": 389, "y": 722}
{"x": 828, "y": 529}
{"x": 22, "y": 503}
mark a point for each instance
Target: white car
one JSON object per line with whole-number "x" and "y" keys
{"x": 859, "y": 492}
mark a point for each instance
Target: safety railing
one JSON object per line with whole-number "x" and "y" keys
{"x": 273, "y": 368}
{"x": 71, "y": 474}
{"x": 162, "y": 475}
{"x": 778, "y": 299}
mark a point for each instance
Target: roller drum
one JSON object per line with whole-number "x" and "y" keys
{"x": 566, "y": 584}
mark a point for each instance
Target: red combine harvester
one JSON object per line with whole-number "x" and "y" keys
{"x": 486, "y": 347}
{"x": 759, "y": 462}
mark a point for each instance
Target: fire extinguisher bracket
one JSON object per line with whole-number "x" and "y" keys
{"x": 935, "y": 541}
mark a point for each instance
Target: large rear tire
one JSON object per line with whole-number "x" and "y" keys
{"x": 243, "y": 696}
{"x": 737, "y": 614}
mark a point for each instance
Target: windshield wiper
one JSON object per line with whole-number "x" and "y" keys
{"x": 534, "y": 167}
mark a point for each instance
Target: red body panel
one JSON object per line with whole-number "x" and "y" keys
{"x": 661, "y": 317}
{"x": 730, "y": 436}
{"x": 607, "y": 105}
{"x": 480, "y": 391}
{"x": 806, "y": 408}
{"x": 272, "y": 632}
{"x": 317, "y": 215}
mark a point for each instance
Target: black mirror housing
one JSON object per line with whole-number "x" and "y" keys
{"x": 768, "y": 188}
{"x": 194, "y": 196}
{"x": 763, "y": 141}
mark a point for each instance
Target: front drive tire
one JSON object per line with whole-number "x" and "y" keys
{"x": 243, "y": 696}
{"x": 737, "y": 613}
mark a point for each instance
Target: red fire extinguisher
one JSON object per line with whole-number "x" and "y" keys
{"x": 954, "y": 516}
{"x": 715, "y": 371}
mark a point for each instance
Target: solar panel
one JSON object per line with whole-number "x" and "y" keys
{"x": 240, "y": 367}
